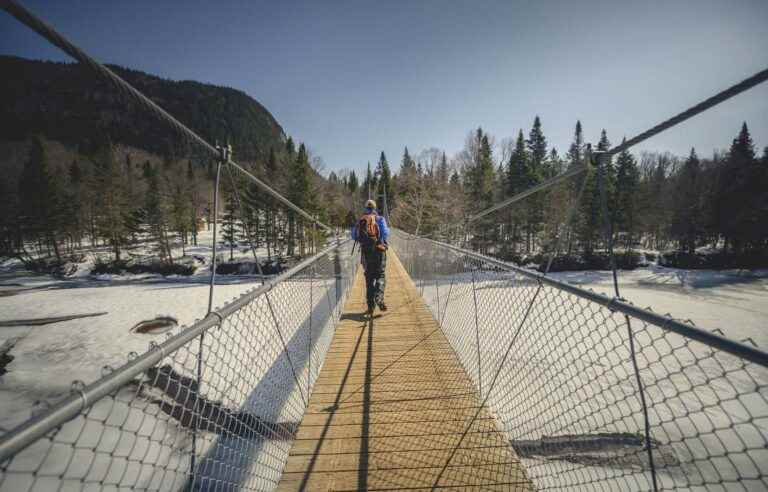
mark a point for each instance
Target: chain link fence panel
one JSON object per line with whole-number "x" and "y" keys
{"x": 257, "y": 357}
{"x": 554, "y": 364}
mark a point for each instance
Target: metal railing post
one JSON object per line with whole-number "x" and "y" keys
{"x": 477, "y": 337}
{"x": 224, "y": 156}
{"x": 309, "y": 348}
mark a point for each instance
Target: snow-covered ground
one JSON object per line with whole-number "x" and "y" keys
{"x": 732, "y": 301}
{"x": 47, "y": 358}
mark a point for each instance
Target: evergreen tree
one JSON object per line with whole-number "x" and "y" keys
{"x": 181, "y": 212}
{"x": 299, "y": 194}
{"x": 609, "y": 181}
{"x": 41, "y": 198}
{"x": 537, "y": 151}
{"x": 156, "y": 215}
{"x": 686, "y": 222}
{"x": 443, "y": 171}
{"x": 627, "y": 182}
{"x": 113, "y": 202}
{"x": 576, "y": 151}
{"x": 589, "y": 226}
{"x": 252, "y": 204}
{"x": 481, "y": 185}
{"x": 407, "y": 165}
{"x": 290, "y": 147}
{"x": 230, "y": 225}
{"x": 369, "y": 186}
{"x": 740, "y": 214}
{"x": 75, "y": 197}
{"x": 519, "y": 172}
{"x": 554, "y": 162}
{"x": 352, "y": 183}
{"x": 384, "y": 181}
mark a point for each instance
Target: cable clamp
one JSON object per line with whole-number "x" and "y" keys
{"x": 218, "y": 315}
{"x": 225, "y": 152}
{"x": 611, "y": 305}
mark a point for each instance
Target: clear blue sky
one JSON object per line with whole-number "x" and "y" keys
{"x": 354, "y": 78}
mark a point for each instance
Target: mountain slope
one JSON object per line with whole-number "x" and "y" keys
{"x": 68, "y": 103}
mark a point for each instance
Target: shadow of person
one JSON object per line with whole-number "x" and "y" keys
{"x": 359, "y": 317}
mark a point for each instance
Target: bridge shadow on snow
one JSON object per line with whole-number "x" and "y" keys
{"x": 227, "y": 461}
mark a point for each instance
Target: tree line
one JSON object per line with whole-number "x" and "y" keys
{"x": 107, "y": 199}
{"x": 655, "y": 201}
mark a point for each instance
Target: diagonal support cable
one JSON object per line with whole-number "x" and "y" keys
{"x": 236, "y": 191}
{"x": 569, "y": 219}
{"x": 603, "y": 159}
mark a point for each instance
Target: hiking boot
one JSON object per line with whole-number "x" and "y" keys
{"x": 382, "y": 306}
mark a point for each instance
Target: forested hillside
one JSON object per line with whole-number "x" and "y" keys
{"x": 83, "y": 167}
{"x": 68, "y": 103}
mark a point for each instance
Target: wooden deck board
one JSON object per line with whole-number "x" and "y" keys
{"x": 392, "y": 408}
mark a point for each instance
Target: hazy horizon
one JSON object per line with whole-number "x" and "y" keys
{"x": 354, "y": 78}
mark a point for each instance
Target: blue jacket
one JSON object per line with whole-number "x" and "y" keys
{"x": 380, "y": 221}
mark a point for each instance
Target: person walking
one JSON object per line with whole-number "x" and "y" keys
{"x": 371, "y": 232}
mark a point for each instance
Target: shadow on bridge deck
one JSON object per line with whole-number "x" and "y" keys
{"x": 392, "y": 408}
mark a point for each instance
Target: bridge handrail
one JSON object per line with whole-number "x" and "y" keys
{"x": 22, "y": 436}
{"x": 739, "y": 349}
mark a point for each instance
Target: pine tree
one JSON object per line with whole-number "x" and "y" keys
{"x": 609, "y": 182}
{"x": 352, "y": 183}
{"x": 686, "y": 222}
{"x": 368, "y": 185}
{"x": 443, "y": 171}
{"x": 298, "y": 193}
{"x": 252, "y": 203}
{"x": 230, "y": 225}
{"x": 554, "y": 162}
{"x": 384, "y": 180}
{"x": 519, "y": 174}
{"x": 482, "y": 175}
{"x": 738, "y": 216}
{"x": 76, "y": 202}
{"x": 112, "y": 199}
{"x": 290, "y": 148}
{"x": 407, "y": 165}
{"x": 156, "y": 215}
{"x": 576, "y": 151}
{"x": 537, "y": 151}
{"x": 180, "y": 209}
{"x": 41, "y": 198}
{"x": 627, "y": 182}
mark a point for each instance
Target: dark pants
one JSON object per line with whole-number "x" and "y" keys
{"x": 374, "y": 265}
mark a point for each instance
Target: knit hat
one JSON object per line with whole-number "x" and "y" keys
{"x": 370, "y": 204}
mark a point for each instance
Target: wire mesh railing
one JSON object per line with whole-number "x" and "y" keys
{"x": 133, "y": 428}
{"x": 553, "y": 363}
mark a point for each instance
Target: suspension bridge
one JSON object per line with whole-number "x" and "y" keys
{"x": 482, "y": 375}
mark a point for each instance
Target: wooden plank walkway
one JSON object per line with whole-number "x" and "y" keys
{"x": 391, "y": 405}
